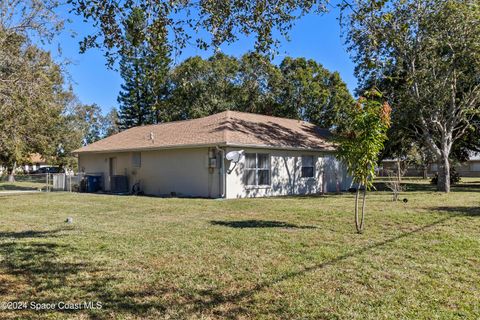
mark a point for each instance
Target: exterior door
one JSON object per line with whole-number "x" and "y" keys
{"x": 112, "y": 169}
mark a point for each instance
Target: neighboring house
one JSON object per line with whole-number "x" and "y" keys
{"x": 469, "y": 168}
{"x": 187, "y": 158}
{"x": 33, "y": 163}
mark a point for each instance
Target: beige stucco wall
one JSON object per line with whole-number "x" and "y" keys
{"x": 184, "y": 172}
{"x": 285, "y": 175}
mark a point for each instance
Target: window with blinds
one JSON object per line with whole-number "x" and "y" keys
{"x": 308, "y": 167}
{"x": 257, "y": 169}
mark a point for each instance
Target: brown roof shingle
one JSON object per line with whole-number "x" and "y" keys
{"x": 226, "y": 128}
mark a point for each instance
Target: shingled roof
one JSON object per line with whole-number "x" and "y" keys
{"x": 229, "y": 128}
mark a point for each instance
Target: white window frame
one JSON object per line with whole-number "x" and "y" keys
{"x": 313, "y": 166}
{"x": 136, "y": 163}
{"x": 256, "y": 169}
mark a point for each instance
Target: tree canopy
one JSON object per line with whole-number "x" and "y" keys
{"x": 425, "y": 57}
{"x": 360, "y": 141}
{"x": 144, "y": 67}
{"x": 204, "y": 23}
{"x": 32, "y": 100}
{"x": 297, "y": 88}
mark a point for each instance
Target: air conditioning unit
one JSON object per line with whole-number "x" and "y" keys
{"x": 119, "y": 184}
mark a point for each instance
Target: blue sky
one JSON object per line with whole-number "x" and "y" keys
{"x": 314, "y": 36}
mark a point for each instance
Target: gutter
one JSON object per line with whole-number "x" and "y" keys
{"x": 223, "y": 144}
{"x": 221, "y": 174}
{"x": 152, "y": 148}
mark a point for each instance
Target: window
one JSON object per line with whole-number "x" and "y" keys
{"x": 257, "y": 169}
{"x": 307, "y": 167}
{"x": 136, "y": 159}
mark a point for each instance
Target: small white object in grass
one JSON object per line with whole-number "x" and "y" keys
{"x": 69, "y": 220}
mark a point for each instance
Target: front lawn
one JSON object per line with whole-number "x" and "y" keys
{"x": 143, "y": 257}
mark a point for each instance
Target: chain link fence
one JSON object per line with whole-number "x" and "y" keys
{"x": 42, "y": 182}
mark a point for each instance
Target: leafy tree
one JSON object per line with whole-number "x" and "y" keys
{"x": 297, "y": 89}
{"x": 32, "y": 100}
{"x": 31, "y": 95}
{"x": 30, "y": 18}
{"x": 144, "y": 68}
{"x": 110, "y": 123}
{"x": 469, "y": 143}
{"x": 202, "y": 87}
{"x": 360, "y": 142}
{"x": 429, "y": 51}
{"x": 69, "y": 134}
{"x": 224, "y": 21}
{"x": 259, "y": 84}
{"x": 311, "y": 92}
{"x": 91, "y": 122}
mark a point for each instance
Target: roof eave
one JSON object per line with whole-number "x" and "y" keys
{"x": 179, "y": 146}
{"x": 290, "y": 148}
{"x": 206, "y": 145}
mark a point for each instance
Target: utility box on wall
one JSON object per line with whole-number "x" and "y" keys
{"x": 212, "y": 162}
{"x": 214, "y": 159}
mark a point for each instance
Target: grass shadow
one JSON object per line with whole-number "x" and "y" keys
{"x": 14, "y": 187}
{"x": 241, "y": 224}
{"x": 37, "y": 267}
{"x": 41, "y": 266}
{"x": 30, "y": 234}
{"x": 211, "y": 300}
{"x": 459, "y": 211}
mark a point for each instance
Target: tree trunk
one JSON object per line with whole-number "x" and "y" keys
{"x": 395, "y": 195}
{"x": 443, "y": 183}
{"x": 11, "y": 173}
{"x": 399, "y": 175}
{"x": 356, "y": 206}
{"x": 360, "y": 219}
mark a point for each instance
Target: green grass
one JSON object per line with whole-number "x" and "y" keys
{"x": 297, "y": 258}
{"x": 21, "y": 186}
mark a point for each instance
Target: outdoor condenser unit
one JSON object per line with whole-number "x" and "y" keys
{"x": 119, "y": 184}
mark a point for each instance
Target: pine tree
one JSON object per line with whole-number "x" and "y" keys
{"x": 144, "y": 68}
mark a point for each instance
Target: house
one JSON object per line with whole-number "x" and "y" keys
{"x": 468, "y": 168}
{"x": 34, "y": 162}
{"x": 187, "y": 158}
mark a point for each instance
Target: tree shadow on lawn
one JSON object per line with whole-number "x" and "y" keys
{"x": 15, "y": 187}
{"x": 39, "y": 266}
{"x": 211, "y": 300}
{"x": 428, "y": 187}
{"x": 34, "y": 269}
{"x": 460, "y": 211}
{"x": 241, "y": 224}
{"x": 30, "y": 234}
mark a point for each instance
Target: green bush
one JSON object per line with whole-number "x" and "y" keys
{"x": 454, "y": 177}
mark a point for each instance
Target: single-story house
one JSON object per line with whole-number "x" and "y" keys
{"x": 468, "y": 168}
{"x": 187, "y": 158}
{"x": 34, "y": 162}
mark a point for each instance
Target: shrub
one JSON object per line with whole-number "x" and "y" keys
{"x": 454, "y": 177}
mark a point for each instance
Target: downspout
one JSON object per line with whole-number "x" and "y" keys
{"x": 222, "y": 177}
